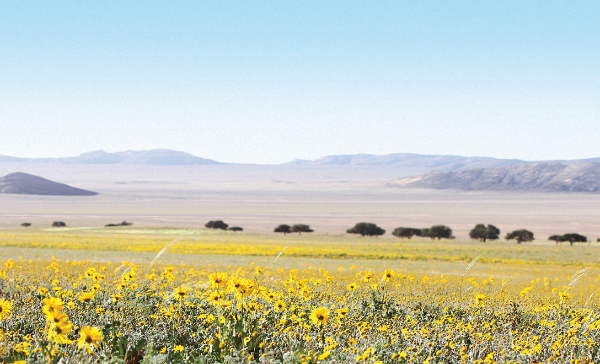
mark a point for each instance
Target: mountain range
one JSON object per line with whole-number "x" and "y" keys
{"x": 159, "y": 157}
{"x": 401, "y": 169}
{"x": 167, "y": 157}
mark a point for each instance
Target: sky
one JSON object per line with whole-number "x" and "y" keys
{"x": 272, "y": 81}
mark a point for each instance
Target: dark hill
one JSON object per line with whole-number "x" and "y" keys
{"x": 27, "y": 184}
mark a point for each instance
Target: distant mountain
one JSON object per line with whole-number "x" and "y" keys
{"x": 410, "y": 161}
{"x": 27, "y": 184}
{"x": 558, "y": 177}
{"x": 160, "y": 157}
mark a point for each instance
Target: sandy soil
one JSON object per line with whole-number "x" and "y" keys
{"x": 258, "y": 198}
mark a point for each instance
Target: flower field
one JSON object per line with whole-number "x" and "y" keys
{"x": 330, "y": 310}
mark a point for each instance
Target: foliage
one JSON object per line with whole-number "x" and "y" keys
{"x": 403, "y": 232}
{"x": 80, "y": 311}
{"x": 438, "y": 232}
{"x": 482, "y": 233}
{"x": 301, "y": 228}
{"x": 366, "y": 228}
{"x": 122, "y": 223}
{"x": 283, "y": 228}
{"x": 557, "y": 238}
{"x": 217, "y": 224}
{"x": 520, "y": 236}
{"x": 59, "y": 224}
{"x": 235, "y": 228}
{"x": 26, "y": 224}
{"x": 574, "y": 238}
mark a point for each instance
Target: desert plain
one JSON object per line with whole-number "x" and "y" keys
{"x": 260, "y": 197}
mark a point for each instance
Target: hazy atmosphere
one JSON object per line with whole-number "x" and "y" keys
{"x": 299, "y": 182}
{"x": 269, "y": 82}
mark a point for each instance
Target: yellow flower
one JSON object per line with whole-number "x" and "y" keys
{"x": 243, "y": 286}
{"x": 178, "y": 348}
{"x": 59, "y": 330}
{"x": 52, "y": 305}
{"x": 215, "y": 296}
{"x": 89, "y": 337}
{"x": 324, "y": 356}
{"x": 479, "y": 299}
{"x": 86, "y": 297}
{"x": 57, "y": 316}
{"x": 352, "y": 286}
{"x": 280, "y": 305}
{"x": 218, "y": 280}
{"x": 319, "y": 316}
{"x": 342, "y": 312}
{"x": 181, "y": 292}
{"x": 5, "y": 308}
{"x": 388, "y": 275}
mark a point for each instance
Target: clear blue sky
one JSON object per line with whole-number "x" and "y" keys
{"x": 271, "y": 81}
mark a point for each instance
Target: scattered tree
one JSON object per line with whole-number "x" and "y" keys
{"x": 235, "y": 228}
{"x": 404, "y": 232}
{"x": 520, "y": 236}
{"x": 283, "y": 228}
{"x": 438, "y": 232}
{"x": 557, "y": 238}
{"x": 301, "y": 228}
{"x": 217, "y": 224}
{"x": 575, "y": 238}
{"x": 26, "y": 224}
{"x": 123, "y": 223}
{"x": 366, "y": 228}
{"x": 571, "y": 238}
{"x": 58, "y": 224}
{"x": 482, "y": 233}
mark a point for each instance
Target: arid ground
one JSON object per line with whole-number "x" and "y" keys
{"x": 258, "y": 198}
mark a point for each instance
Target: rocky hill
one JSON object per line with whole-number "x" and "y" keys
{"x": 410, "y": 161}
{"x": 27, "y": 184}
{"x": 557, "y": 177}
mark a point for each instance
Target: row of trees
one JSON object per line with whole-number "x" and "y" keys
{"x": 480, "y": 232}
{"x": 297, "y": 228}
{"x": 570, "y": 237}
{"x": 220, "y": 225}
{"x": 434, "y": 232}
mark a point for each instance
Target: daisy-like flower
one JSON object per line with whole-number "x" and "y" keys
{"x": 280, "y": 305}
{"x": 342, "y": 312}
{"x": 86, "y": 297}
{"x": 5, "y": 308}
{"x": 59, "y": 330}
{"x": 57, "y": 317}
{"x": 479, "y": 299}
{"x": 89, "y": 337}
{"x": 320, "y": 316}
{"x": 218, "y": 280}
{"x": 53, "y": 305}
{"x": 388, "y": 275}
{"x": 215, "y": 296}
{"x": 181, "y": 292}
{"x": 352, "y": 286}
